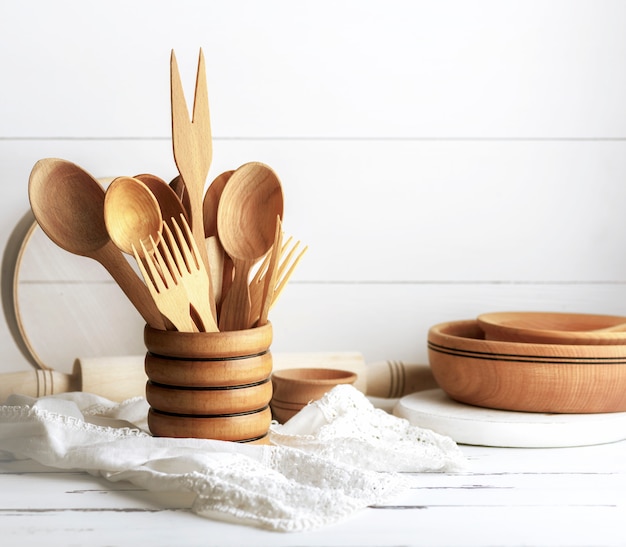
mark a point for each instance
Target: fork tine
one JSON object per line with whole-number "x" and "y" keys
{"x": 262, "y": 269}
{"x": 174, "y": 258}
{"x": 189, "y": 242}
{"x": 179, "y": 104}
{"x": 287, "y": 259}
{"x": 148, "y": 279}
{"x": 164, "y": 265}
{"x": 285, "y": 278}
{"x": 155, "y": 274}
{"x": 269, "y": 285}
{"x": 201, "y": 117}
{"x": 259, "y": 275}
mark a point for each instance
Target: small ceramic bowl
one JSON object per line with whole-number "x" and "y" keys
{"x": 554, "y": 328}
{"x": 549, "y": 378}
{"x": 295, "y": 388}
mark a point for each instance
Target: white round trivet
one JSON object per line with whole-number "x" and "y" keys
{"x": 465, "y": 424}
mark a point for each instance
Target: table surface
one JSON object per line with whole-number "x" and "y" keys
{"x": 505, "y": 496}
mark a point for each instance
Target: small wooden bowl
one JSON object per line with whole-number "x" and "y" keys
{"x": 193, "y": 345}
{"x": 246, "y": 427}
{"x": 553, "y": 328}
{"x": 209, "y": 400}
{"x": 295, "y": 388}
{"x": 210, "y": 373}
{"x": 549, "y": 378}
{"x": 209, "y": 384}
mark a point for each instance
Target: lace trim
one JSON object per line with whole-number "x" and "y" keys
{"x": 354, "y": 432}
{"x": 45, "y": 416}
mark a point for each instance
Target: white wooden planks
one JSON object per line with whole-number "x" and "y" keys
{"x": 439, "y": 159}
{"x": 503, "y": 497}
{"x": 345, "y": 68}
{"x": 397, "y": 211}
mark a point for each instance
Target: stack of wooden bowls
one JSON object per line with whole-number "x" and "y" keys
{"x": 532, "y": 362}
{"x": 209, "y": 385}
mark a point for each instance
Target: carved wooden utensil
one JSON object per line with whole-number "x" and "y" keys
{"x": 68, "y": 204}
{"x": 246, "y": 224}
{"x": 193, "y": 149}
{"x": 132, "y": 214}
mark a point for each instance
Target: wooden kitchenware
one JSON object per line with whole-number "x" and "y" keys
{"x": 246, "y": 221}
{"x": 68, "y": 204}
{"x": 132, "y": 214}
{"x": 527, "y": 377}
{"x": 295, "y": 388}
{"x": 554, "y": 328}
{"x": 190, "y": 391}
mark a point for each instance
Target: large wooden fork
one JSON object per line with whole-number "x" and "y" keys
{"x": 193, "y": 150}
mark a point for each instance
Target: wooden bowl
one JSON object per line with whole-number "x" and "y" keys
{"x": 549, "y": 378}
{"x": 245, "y": 427}
{"x": 295, "y": 388}
{"x": 227, "y": 400}
{"x": 554, "y": 328}
{"x": 283, "y": 411}
{"x": 209, "y": 384}
{"x": 215, "y": 373}
{"x": 194, "y": 345}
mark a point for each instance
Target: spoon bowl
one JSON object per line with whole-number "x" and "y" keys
{"x": 131, "y": 214}
{"x": 246, "y": 223}
{"x": 68, "y": 204}
{"x": 170, "y": 204}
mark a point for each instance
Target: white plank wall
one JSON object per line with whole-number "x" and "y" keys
{"x": 441, "y": 159}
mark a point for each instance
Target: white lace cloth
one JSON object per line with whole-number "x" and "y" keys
{"x": 335, "y": 457}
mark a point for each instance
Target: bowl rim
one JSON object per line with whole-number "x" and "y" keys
{"x": 493, "y": 326}
{"x": 465, "y": 338}
{"x": 314, "y": 375}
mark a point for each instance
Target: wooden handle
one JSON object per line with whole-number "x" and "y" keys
{"x": 116, "y": 378}
{"x": 124, "y": 377}
{"x": 35, "y": 383}
{"x": 393, "y": 379}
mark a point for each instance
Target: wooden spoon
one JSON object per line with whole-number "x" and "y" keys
{"x": 211, "y": 202}
{"x": 170, "y": 204}
{"x": 131, "y": 214}
{"x": 246, "y": 222}
{"x": 221, "y": 264}
{"x": 180, "y": 190}
{"x": 68, "y": 204}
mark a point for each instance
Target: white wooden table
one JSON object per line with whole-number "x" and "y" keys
{"x": 563, "y": 496}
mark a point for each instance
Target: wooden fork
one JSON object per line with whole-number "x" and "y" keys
{"x": 183, "y": 260}
{"x": 284, "y": 272}
{"x": 193, "y": 149}
{"x": 169, "y": 295}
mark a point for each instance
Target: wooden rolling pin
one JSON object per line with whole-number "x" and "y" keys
{"x": 116, "y": 378}
{"x": 121, "y": 378}
{"x": 394, "y": 379}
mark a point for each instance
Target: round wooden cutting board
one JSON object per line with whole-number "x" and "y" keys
{"x": 465, "y": 424}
